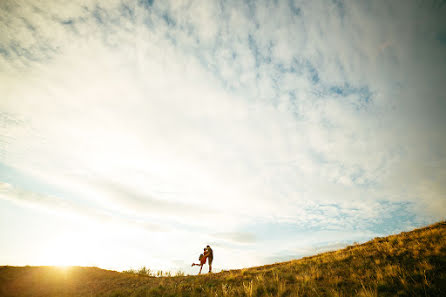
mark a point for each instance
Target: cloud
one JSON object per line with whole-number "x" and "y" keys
{"x": 237, "y": 237}
{"x": 128, "y": 200}
{"x": 313, "y": 114}
{"x": 64, "y": 207}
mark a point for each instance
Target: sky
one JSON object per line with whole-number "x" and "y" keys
{"x": 134, "y": 133}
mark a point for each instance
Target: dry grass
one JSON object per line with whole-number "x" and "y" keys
{"x": 408, "y": 264}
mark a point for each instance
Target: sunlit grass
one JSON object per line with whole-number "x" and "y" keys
{"x": 408, "y": 264}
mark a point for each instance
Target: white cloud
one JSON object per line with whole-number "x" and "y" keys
{"x": 64, "y": 207}
{"x": 228, "y": 113}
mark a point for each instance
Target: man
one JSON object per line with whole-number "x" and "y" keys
{"x": 210, "y": 256}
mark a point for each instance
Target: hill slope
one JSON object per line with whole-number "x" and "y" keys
{"x": 408, "y": 264}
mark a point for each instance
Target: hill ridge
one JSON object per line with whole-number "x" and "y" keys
{"x": 411, "y": 263}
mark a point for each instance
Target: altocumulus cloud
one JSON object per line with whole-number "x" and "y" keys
{"x": 256, "y": 126}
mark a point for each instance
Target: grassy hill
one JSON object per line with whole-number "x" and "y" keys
{"x": 408, "y": 264}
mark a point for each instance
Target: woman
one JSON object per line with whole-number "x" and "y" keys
{"x": 202, "y": 259}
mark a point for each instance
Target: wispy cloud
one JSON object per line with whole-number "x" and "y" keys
{"x": 213, "y": 118}
{"x": 65, "y": 207}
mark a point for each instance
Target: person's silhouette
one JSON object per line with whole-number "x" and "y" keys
{"x": 210, "y": 255}
{"x": 202, "y": 259}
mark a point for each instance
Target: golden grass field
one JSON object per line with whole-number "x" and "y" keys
{"x": 408, "y": 264}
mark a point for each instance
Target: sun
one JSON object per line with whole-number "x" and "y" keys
{"x": 64, "y": 252}
{"x": 63, "y": 268}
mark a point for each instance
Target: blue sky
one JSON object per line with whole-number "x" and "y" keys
{"x": 136, "y": 132}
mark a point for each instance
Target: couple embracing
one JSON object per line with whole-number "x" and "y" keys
{"x": 207, "y": 254}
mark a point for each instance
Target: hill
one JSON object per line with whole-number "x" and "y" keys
{"x": 408, "y": 264}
